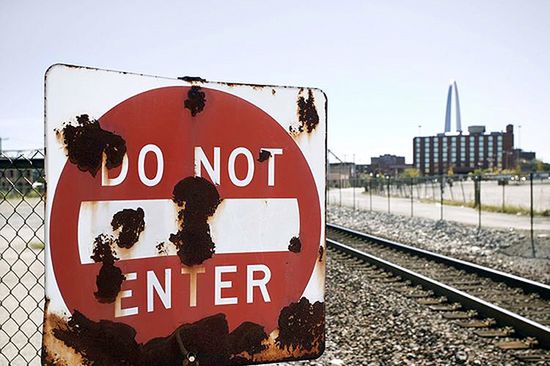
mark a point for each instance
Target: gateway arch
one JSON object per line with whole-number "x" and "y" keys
{"x": 449, "y": 107}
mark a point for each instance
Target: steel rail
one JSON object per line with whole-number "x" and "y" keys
{"x": 523, "y": 326}
{"x": 510, "y": 279}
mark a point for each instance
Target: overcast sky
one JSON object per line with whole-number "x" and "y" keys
{"x": 385, "y": 65}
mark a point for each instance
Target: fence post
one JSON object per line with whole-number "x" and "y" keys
{"x": 503, "y": 192}
{"x": 370, "y": 193}
{"x": 389, "y": 193}
{"x": 354, "y": 182}
{"x": 532, "y": 214}
{"x": 478, "y": 199}
{"x": 340, "y": 190}
{"x": 412, "y": 196}
{"x": 442, "y": 187}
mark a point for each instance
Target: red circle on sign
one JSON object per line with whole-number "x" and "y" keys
{"x": 158, "y": 117}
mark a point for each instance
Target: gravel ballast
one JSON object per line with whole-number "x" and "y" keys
{"x": 368, "y": 323}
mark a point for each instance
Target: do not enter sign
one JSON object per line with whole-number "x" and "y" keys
{"x": 184, "y": 220}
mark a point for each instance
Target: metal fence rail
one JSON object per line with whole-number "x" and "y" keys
{"x": 22, "y": 199}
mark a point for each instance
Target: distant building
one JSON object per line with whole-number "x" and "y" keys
{"x": 388, "y": 164}
{"x": 339, "y": 174}
{"x": 524, "y": 156}
{"x": 464, "y": 152}
{"x": 21, "y": 176}
{"x": 362, "y": 169}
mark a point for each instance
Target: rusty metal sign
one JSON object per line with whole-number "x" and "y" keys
{"x": 184, "y": 221}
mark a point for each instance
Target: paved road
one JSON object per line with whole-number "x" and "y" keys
{"x": 514, "y": 194}
{"x": 402, "y": 206}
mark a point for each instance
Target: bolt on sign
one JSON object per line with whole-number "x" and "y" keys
{"x": 185, "y": 220}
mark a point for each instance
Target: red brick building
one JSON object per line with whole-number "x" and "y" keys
{"x": 464, "y": 152}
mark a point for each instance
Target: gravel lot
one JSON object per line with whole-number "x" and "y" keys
{"x": 508, "y": 250}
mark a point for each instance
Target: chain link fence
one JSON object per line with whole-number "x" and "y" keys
{"x": 22, "y": 205}
{"x": 519, "y": 201}
{"x": 22, "y": 201}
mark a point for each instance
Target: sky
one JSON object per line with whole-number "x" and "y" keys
{"x": 385, "y": 65}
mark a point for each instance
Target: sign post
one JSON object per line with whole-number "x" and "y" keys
{"x": 184, "y": 221}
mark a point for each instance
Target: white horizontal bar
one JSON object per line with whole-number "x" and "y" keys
{"x": 244, "y": 225}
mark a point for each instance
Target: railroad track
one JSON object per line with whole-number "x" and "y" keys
{"x": 514, "y": 310}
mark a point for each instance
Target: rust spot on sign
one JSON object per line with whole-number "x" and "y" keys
{"x": 110, "y": 277}
{"x": 302, "y": 325}
{"x": 54, "y": 351}
{"x": 247, "y": 337}
{"x": 110, "y": 343}
{"x": 131, "y": 223}
{"x": 307, "y": 113}
{"x": 264, "y": 155}
{"x": 295, "y": 245}
{"x": 321, "y": 253}
{"x": 308, "y": 117}
{"x": 192, "y": 79}
{"x": 206, "y": 338}
{"x": 101, "y": 343}
{"x": 161, "y": 249}
{"x": 87, "y": 141}
{"x": 198, "y": 199}
{"x": 195, "y": 101}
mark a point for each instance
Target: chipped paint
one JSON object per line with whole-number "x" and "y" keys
{"x": 198, "y": 200}
{"x": 193, "y": 79}
{"x": 110, "y": 277}
{"x": 131, "y": 223}
{"x": 54, "y": 351}
{"x": 86, "y": 143}
{"x": 161, "y": 248}
{"x": 264, "y": 155}
{"x": 196, "y": 100}
{"x": 302, "y": 325}
{"x": 307, "y": 115}
{"x": 209, "y": 340}
{"x": 80, "y": 340}
{"x": 295, "y": 245}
